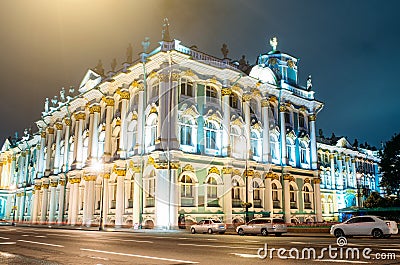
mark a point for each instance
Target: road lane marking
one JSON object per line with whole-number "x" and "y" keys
{"x": 8, "y": 243}
{"x": 211, "y": 239}
{"x": 6, "y": 238}
{"x": 40, "y": 243}
{"x": 252, "y": 241}
{"x": 62, "y": 235}
{"x": 183, "y": 238}
{"x": 215, "y": 246}
{"x": 25, "y": 235}
{"x": 40, "y": 236}
{"x": 139, "y": 241}
{"x": 244, "y": 255}
{"x": 139, "y": 256}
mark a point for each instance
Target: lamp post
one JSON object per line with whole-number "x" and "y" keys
{"x": 358, "y": 176}
{"x": 14, "y": 207}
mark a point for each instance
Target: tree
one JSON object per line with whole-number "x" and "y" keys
{"x": 375, "y": 200}
{"x": 390, "y": 165}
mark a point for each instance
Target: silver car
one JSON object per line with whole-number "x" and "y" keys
{"x": 367, "y": 225}
{"x": 263, "y": 226}
{"x": 208, "y": 226}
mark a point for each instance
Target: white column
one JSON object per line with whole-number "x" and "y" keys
{"x": 125, "y": 96}
{"x": 136, "y": 196}
{"x": 109, "y": 115}
{"x": 80, "y": 118}
{"x": 21, "y": 171}
{"x": 40, "y": 158}
{"x": 57, "y": 160}
{"x": 313, "y": 140}
{"x": 35, "y": 201}
{"x": 227, "y": 195}
{"x": 265, "y": 121}
{"x": 119, "y": 205}
{"x": 269, "y": 207}
{"x": 50, "y": 136}
{"x": 89, "y": 201}
{"x": 45, "y": 199}
{"x": 354, "y": 171}
{"x": 18, "y": 209}
{"x": 246, "y": 111}
{"x": 282, "y": 110}
{"x": 286, "y": 191}
{"x": 162, "y": 196}
{"x": 95, "y": 131}
{"x": 70, "y": 200}
{"x": 340, "y": 165}
{"x": 67, "y": 122}
{"x": 75, "y": 200}
{"x": 61, "y": 203}
{"x": 317, "y": 196}
{"x": 140, "y": 120}
{"x": 105, "y": 206}
{"x": 173, "y": 198}
{"x": 333, "y": 180}
{"x": 53, "y": 201}
{"x": 226, "y": 110}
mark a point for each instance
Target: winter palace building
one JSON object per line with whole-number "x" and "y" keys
{"x": 176, "y": 135}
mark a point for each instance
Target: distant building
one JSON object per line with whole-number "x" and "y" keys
{"x": 178, "y": 135}
{"x": 348, "y": 175}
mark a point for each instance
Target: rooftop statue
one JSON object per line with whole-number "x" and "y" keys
{"x": 46, "y": 105}
{"x": 99, "y": 68}
{"x": 309, "y": 83}
{"x": 274, "y": 43}
{"x": 62, "y": 95}
{"x": 225, "y": 50}
{"x": 165, "y": 31}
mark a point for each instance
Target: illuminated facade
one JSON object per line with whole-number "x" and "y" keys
{"x": 348, "y": 175}
{"x": 168, "y": 138}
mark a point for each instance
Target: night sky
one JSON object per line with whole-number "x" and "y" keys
{"x": 351, "y": 49}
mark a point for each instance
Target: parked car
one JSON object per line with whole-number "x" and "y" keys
{"x": 208, "y": 226}
{"x": 263, "y": 226}
{"x": 367, "y": 225}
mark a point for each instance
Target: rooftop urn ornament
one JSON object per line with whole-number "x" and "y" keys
{"x": 99, "y": 68}
{"x": 274, "y": 43}
{"x": 309, "y": 83}
{"x": 165, "y": 31}
{"x": 129, "y": 54}
{"x": 225, "y": 50}
{"x": 71, "y": 90}
{"x": 113, "y": 64}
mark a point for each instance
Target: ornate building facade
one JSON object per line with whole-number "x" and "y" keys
{"x": 348, "y": 175}
{"x": 176, "y": 135}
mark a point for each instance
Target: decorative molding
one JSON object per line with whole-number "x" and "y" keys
{"x": 227, "y": 170}
{"x": 214, "y": 170}
{"x": 153, "y": 109}
{"x": 59, "y": 126}
{"x": 290, "y": 63}
{"x": 226, "y": 91}
{"x": 188, "y": 167}
{"x": 45, "y": 185}
{"x": 54, "y": 184}
{"x": 307, "y": 180}
{"x": 317, "y": 181}
{"x": 264, "y": 103}
{"x": 175, "y": 77}
{"x": 282, "y": 108}
{"x": 188, "y": 72}
{"x": 286, "y": 177}
{"x": 74, "y": 180}
{"x": 246, "y": 97}
{"x": 80, "y": 116}
{"x": 67, "y": 122}
{"x": 273, "y": 99}
{"x": 90, "y": 177}
{"x": 163, "y": 77}
{"x": 94, "y": 108}
{"x": 236, "y": 172}
{"x": 109, "y": 101}
{"x": 124, "y": 94}
{"x": 312, "y": 117}
{"x": 50, "y": 130}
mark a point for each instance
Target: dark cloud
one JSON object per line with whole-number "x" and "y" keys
{"x": 349, "y": 47}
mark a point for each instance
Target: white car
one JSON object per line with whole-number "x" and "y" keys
{"x": 367, "y": 225}
{"x": 208, "y": 226}
{"x": 263, "y": 226}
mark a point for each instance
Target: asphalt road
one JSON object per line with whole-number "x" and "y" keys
{"x": 27, "y": 245}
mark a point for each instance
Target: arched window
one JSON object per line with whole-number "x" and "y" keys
{"x": 211, "y": 94}
{"x": 186, "y": 131}
{"x": 155, "y": 87}
{"x": 211, "y": 135}
{"x": 307, "y": 197}
{"x": 275, "y": 196}
{"x": 302, "y": 123}
{"x": 187, "y": 185}
{"x": 288, "y": 118}
{"x": 257, "y": 202}
{"x": 151, "y": 132}
{"x": 290, "y": 151}
{"x": 236, "y": 198}
{"x": 234, "y": 101}
{"x": 293, "y": 197}
{"x": 150, "y": 189}
{"x": 236, "y": 143}
{"x": 273, "y": 142}
{"x": 187, "y": 88}
{"x": 303, "y": 153}
{"x": 255, "y": 143}
{"x": 212, "y": 197}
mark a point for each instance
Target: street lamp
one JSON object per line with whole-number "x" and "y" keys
{"x": 358, "y": 176}
{"x": 14, "y": 207}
